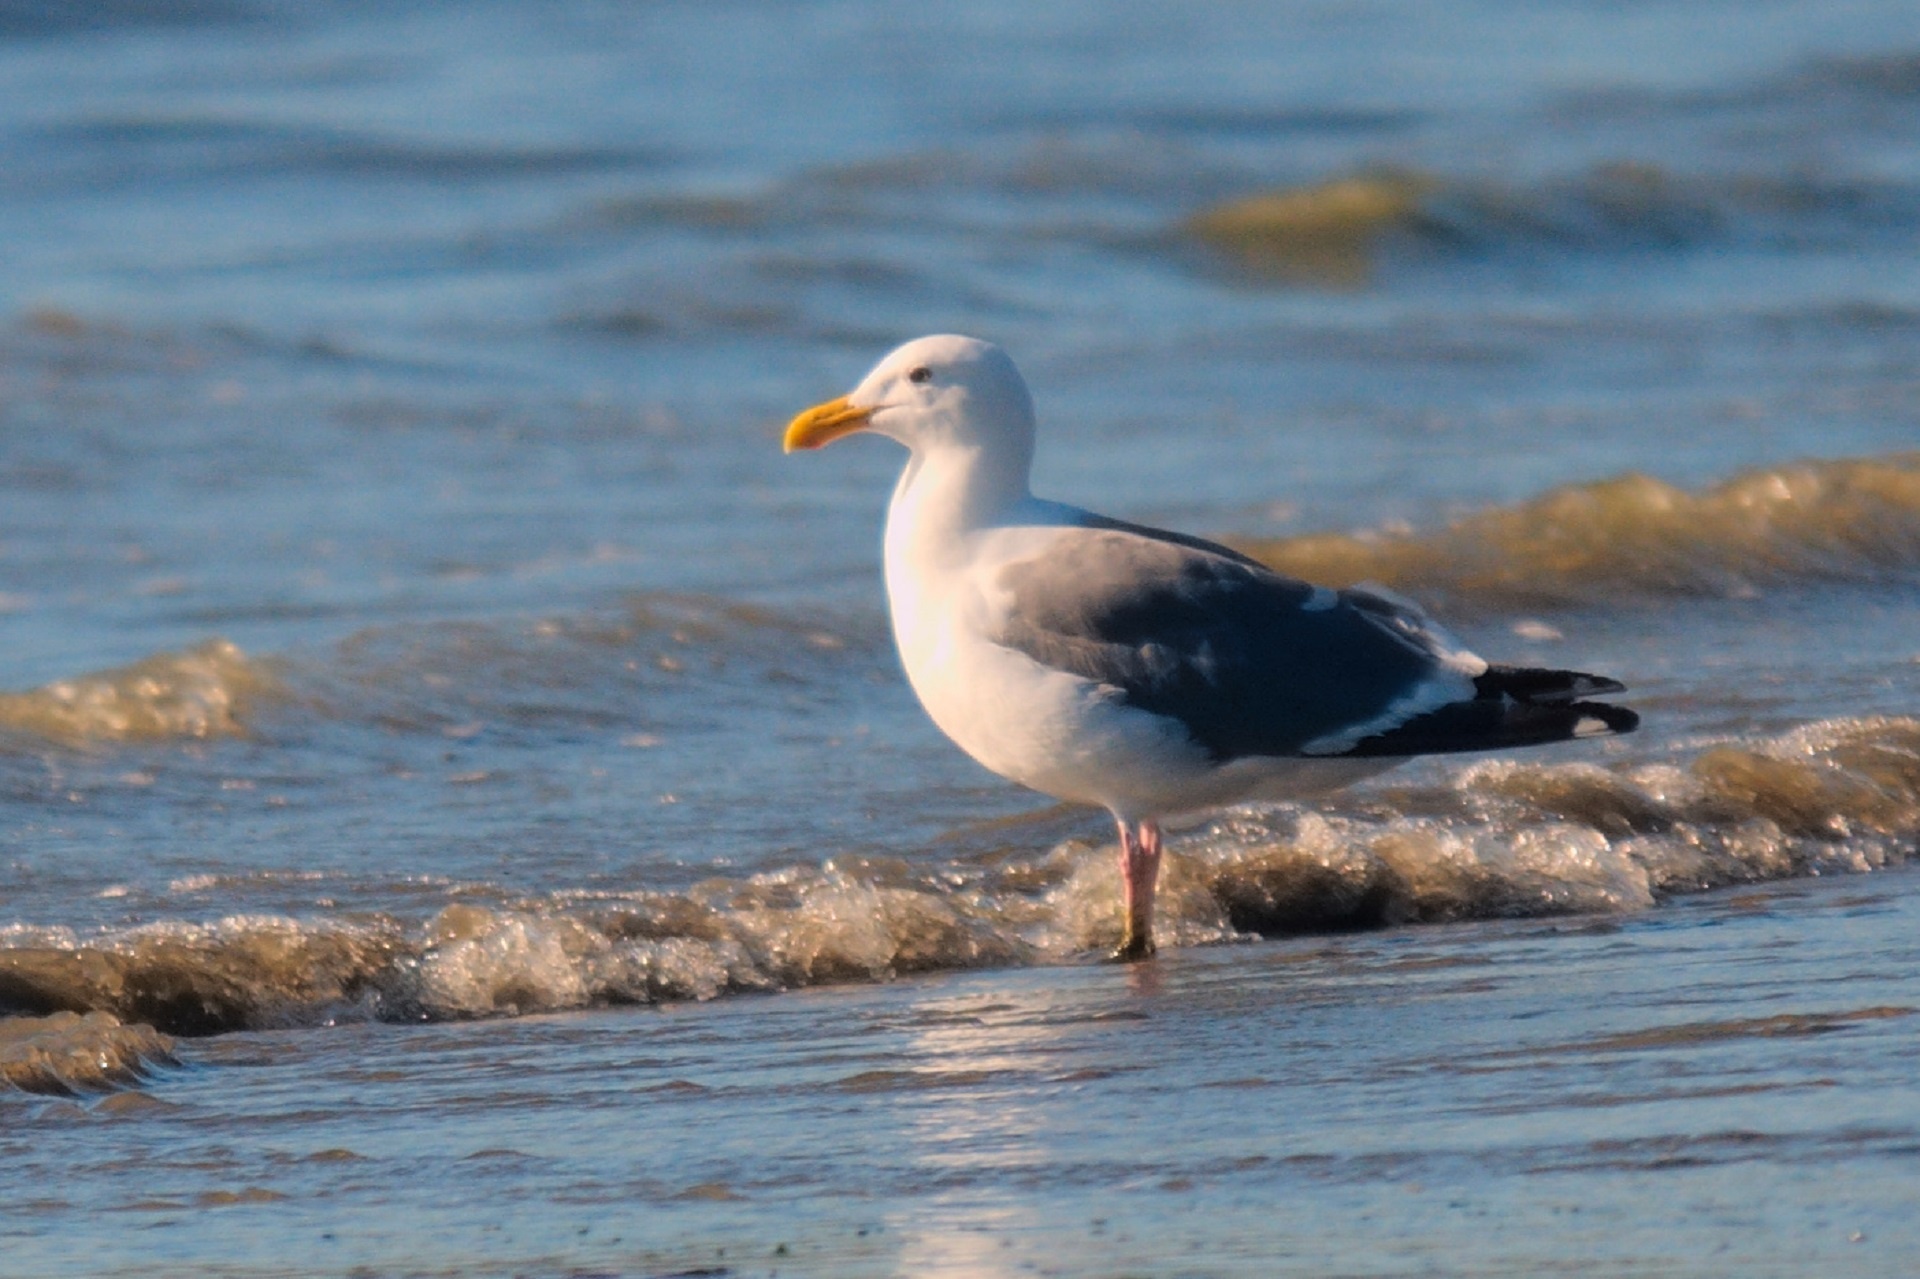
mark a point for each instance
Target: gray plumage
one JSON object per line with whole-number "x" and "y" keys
{"x": 1253, "y": 663}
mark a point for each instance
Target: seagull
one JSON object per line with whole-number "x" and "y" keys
{"x": 1149, "y": 673}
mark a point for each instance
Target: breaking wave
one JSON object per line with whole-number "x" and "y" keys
{"x": 1496, "y": 839}
{"x": 1333, "y": 232}
{"x": 1322, "y": 234}
{"x": 433, "y": 678}
{"x": 199, "y": 692}
{"x": 1633, "y": 536}
{"x": 70, "y": 1054}
{"x": 1848, "y": 520}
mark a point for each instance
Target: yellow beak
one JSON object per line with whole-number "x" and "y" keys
{"x": 824, "y": 423}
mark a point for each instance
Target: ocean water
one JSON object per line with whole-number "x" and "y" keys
{"x": 460, "y": 812}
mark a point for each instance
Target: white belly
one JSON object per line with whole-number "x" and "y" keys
{"x": 1054, "y": 732}
{"x": 1076, "y": 740}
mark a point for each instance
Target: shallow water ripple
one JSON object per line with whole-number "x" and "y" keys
{"x": 1489, "y": 1094}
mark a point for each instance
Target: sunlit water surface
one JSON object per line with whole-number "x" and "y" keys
{"x": 462, "y": 813}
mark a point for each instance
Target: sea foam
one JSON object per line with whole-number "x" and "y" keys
{"x": 1488, "y": 840}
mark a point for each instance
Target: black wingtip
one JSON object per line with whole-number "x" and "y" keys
{"x": 1498, "y": 723}
{"x": 1532, "y": 684}
{"x": 1605, "y": 717}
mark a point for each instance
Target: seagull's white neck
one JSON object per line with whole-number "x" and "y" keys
{"x": 947, "y": 492}
{"x": 945, "y": 495}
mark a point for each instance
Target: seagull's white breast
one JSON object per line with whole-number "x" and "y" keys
{"x": 1050, "y": 730}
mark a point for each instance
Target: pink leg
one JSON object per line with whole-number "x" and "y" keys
{"x": 1140, "y": 874}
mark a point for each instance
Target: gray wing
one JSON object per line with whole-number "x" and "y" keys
{"x": 1254, "y": 663}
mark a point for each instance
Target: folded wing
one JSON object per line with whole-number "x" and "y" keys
{"x": 1252, "y": 663}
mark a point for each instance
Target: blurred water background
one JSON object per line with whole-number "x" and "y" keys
{"x": 462, "y": 814}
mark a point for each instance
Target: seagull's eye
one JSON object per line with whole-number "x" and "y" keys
{"x": 921, "y": 374}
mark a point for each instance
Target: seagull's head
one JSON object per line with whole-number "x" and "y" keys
{"x": 933, "y": 393}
